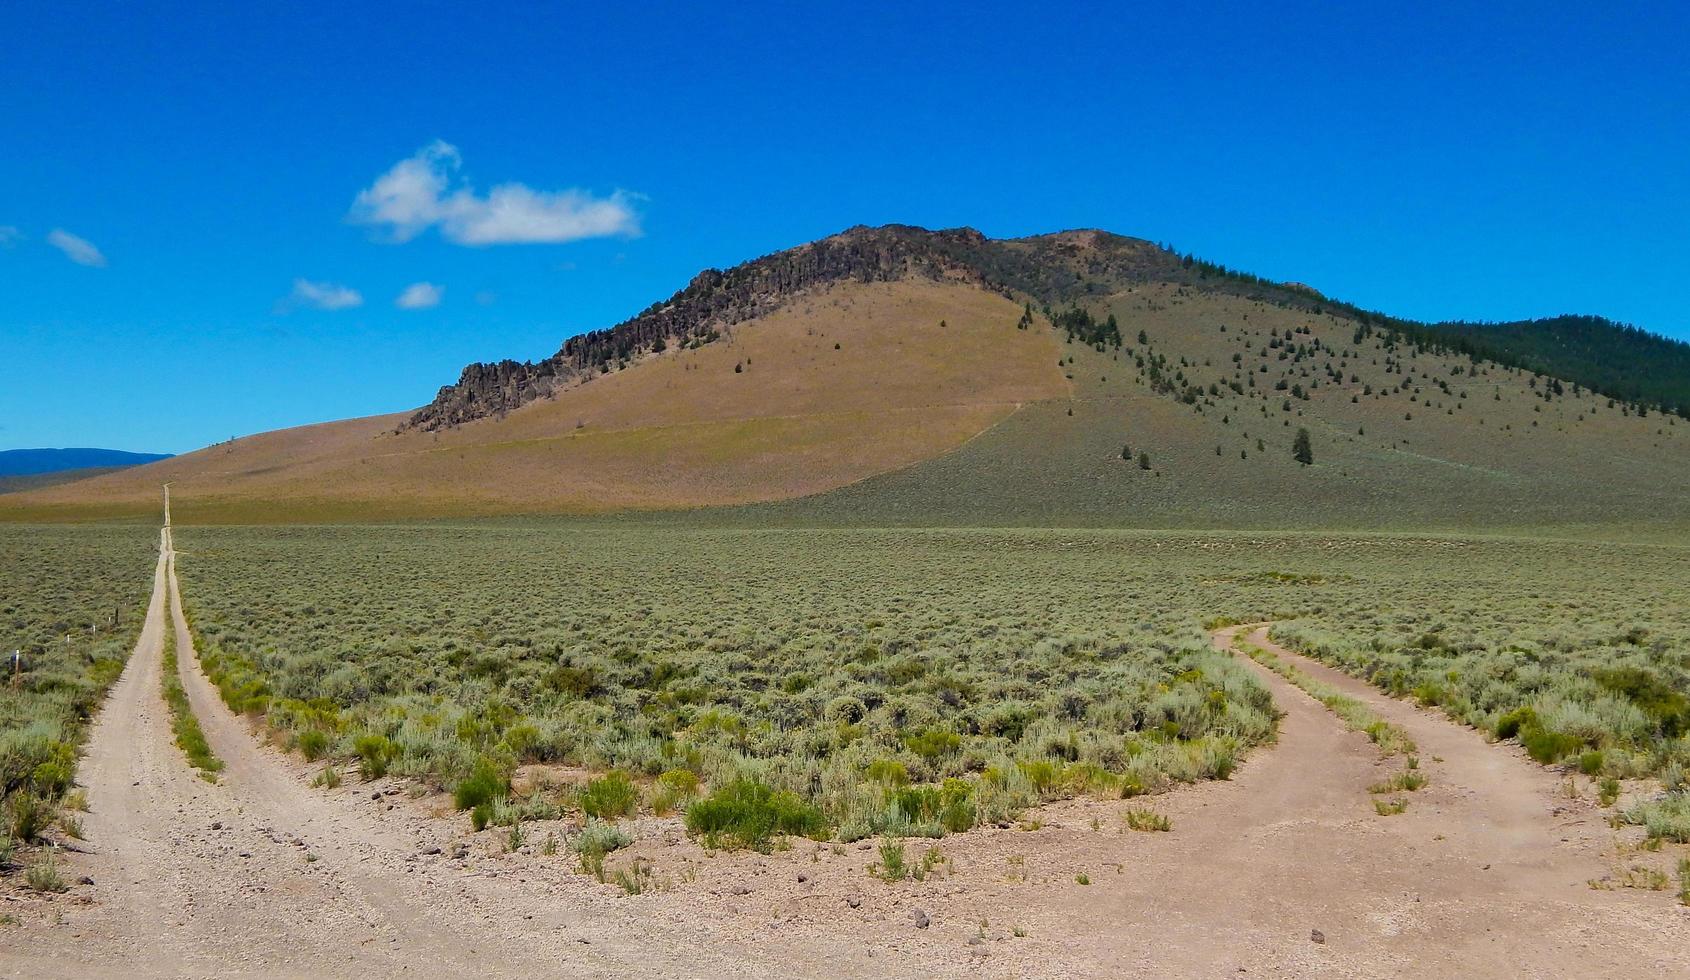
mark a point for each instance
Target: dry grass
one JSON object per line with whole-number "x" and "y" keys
{"x": 680, "y": 429}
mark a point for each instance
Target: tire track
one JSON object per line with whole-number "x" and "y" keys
{"x": 259, "y": 875}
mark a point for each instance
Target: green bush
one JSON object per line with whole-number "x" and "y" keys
{"x": 314, "y": 743}
{"x": 599, "y": 837}
{"x": 892, "y": 860}
{"x": 27, "y": 815}
{"x": 950, "y": 807}
{"x": 484, "y": 782}
{"x": 1666, "y": 707}
{"x": 1667, "y": 818}
{"x": 746, "y": 813}
{"x": 888, "y": 772}
{"x": 595, "y": 840}
{"x": 608, "y": 796}
{"x": 375, "y": 754}
{"x": 933, "y": 743}
{"x": 1548, "y": 747}
{"x": 1509, "y": 725}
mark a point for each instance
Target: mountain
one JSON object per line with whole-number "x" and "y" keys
{"x": 29, "y": 462}
{"x": 898, "y": 375}
{"x": 1070, "y": 267}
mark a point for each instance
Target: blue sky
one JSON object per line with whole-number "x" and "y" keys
{"x": 202, "y": 166}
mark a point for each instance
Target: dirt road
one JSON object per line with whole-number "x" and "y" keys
{"x": 260, "y": 875}
{"x": 1486, "y": 874}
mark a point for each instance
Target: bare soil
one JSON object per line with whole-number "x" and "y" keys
{"x": 1487, "y": 874}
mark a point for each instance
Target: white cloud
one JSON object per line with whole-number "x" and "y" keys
{"x": 10, "y": 235}
{"x": 321, "y": 296}
{"x": 420, "y": 296}
{"x": 78, "y": 250}
{"x": 419, "y": 193}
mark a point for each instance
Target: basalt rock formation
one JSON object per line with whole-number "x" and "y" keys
{"x": 1049, "y": 268}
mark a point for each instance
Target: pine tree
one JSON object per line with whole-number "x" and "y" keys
{"x": 1301, "y": 450}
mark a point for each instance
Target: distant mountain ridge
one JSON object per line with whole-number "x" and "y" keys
{"x": 33, "y": 462}
{"x": 1064, "y": 268}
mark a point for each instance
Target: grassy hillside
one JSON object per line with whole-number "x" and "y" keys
{"x": 1400, "y": 437}
{"x": 895, "y": 375}
{"x": 843, "y": 383}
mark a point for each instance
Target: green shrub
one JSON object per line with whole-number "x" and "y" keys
{"x": 608, "y": 796}
{"x": 671, "y": 788}
{"x": 933, "y": 743}
{"x": 45, "y": 877}
{"x": 595, "y": 840}
{"x": 1666, "y": 818}
{"x": 1149, "y": 820}
{"x": 1666, "y": 707}
{"x": 1043, "y": 774}
{"x": 484, "y": 782}
{"x": 1548, "y": 747}
{"x": 950, "y": 807}
{"x": 888, "y": 772}
{"x": 1590, "y": 763}
{"x": 27, "y": 815}
{"x": 892, "y": 866}
{"x": 314, "y": 743}
{"x": 375, "y": 754}
{"x": 52, "y": 776}
{"x": 746, "y": 813}
{"x": 1542, "y": 745}
{"x": 1510, "y": 724}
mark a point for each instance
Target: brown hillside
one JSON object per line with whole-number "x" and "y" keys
{"x": 841, "y": 383}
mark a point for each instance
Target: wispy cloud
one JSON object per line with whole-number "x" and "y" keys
{"x": 420, "y": 296}
{"x": 10, "y": 235}
{"x": 424, "y": 191}
{"x": 78, "y": 250}
{"x": 320, "y": 296}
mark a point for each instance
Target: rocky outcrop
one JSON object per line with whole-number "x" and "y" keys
{"x": 1047, "y": 269}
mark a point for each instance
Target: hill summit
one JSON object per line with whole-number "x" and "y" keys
{"x": 899, "y": 375}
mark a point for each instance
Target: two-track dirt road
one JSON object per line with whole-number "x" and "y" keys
{"x": 1485, "y": 875}
{"x": 260, "y": 875}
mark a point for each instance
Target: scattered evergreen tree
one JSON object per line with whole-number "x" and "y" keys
{"x": 1301, "y": 450}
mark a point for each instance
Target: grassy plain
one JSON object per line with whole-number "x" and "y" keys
{"x": 60, "y": 588}
{"x": 893, "y": 680}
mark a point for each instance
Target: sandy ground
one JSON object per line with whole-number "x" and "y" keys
{"x": 1486, "y": 874}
